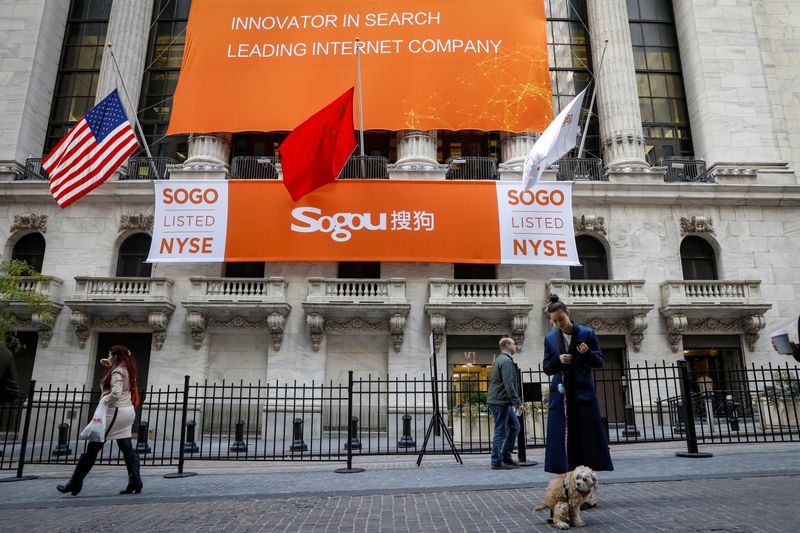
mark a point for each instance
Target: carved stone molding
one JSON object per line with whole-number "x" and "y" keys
{"x": 236, "y": 322}
{"x": 752, "y": 325}
{"x": 607, "y": 325}
{"x": 518, "y": 326}
{"x": 438, "y": 323}
{"x": 633, "y": 325}
{"x": 396, "y": 325}
{"x": 628, "y": 138}
{"x": 44, "y": 325}
{"x": 589, "y": 224}
{"x": 676, "y": 325}
{"x": 749, "y": 326}
{"x": 276, "y": 323}
{"x": 636, "y": 326}
{"x": 136, "y": 222}
{"x": 29, "y": 221}
{"x": 197, "y": 328}
{"x": 696, "y": 224}
{"x": 158, "y": 321}
{"x": 82, "y": 322}
{"x": 316, "y": 327}
{"x": 355, "y": 324}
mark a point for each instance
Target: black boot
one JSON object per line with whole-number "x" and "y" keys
{"x": 132, "y": 464}
{"x": 84, "y": 465}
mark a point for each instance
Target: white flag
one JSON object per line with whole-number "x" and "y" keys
{"x": 558, "y": 139}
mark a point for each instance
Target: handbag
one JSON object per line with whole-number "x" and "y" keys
{"x": 95, "y": 430}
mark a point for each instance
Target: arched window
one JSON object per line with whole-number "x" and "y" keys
{"x": 132, "y": 256}
{"x": 592, "y": 255}
{"x": 30, "y": 249}
{"x": 698, "y": 259}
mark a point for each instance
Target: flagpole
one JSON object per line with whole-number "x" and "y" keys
{"x": 133, "y": 109}
{"x": 360, "y": 105}
{"x": 591, "y": 103}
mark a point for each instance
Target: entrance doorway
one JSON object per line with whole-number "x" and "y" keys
{"x": 610, "y": 382}
{"x": 139, "y": 345}
{"x": 469, "y": 364}
{"x": 715, "y": 364}
{"x": 24, "y": 359}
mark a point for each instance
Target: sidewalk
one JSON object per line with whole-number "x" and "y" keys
{"x": 387, "y": 475}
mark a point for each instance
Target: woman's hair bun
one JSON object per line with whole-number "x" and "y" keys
{"x": 553, "y": 298}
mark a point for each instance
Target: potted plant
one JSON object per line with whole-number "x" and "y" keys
{"x": 472, "y": 422}
{"x": 779, "y": 404}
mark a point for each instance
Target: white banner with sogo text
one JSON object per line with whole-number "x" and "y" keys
{"x": 190, "y": 222}
{"x": 536, "y": 225}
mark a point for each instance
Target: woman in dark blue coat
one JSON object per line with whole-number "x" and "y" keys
{"x": 575, "y": 432}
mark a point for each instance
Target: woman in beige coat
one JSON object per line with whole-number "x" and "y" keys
{"x": 119, "y": 389}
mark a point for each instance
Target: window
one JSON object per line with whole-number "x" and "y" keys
{"x": 162, "y": 66}
{"x": 698, "y": 259}
{"x": 79, "y": 67}
{"x": 470, "y": 271}
{"x": 132, "y": 256}
{"x": 467, "y": 143}
{"x": 247, "y": 269}
{"x": 662, "y": 100}
{"x": 359, "y": 270}
{"x": 30, "y": 249}
{"x": 569, "y": 55}
{"x": 592, "y": 255}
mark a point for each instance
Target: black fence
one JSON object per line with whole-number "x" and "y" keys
{"x": 389, "y": 416}
{"x": 581, "y": 169}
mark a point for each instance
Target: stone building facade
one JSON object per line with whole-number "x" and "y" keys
{"x": 696, "y": 268}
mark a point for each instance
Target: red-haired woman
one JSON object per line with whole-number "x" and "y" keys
{"x": 119, "y": 384}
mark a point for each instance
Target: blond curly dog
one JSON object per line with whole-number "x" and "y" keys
{"x": 566, "y": 493}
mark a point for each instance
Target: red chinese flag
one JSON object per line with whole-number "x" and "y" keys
{"x": 315, "y": 152}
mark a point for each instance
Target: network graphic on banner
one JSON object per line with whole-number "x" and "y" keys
{"x": 482, "y": 222}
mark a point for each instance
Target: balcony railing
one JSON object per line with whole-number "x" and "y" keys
{"x": 676, "y": 292}
{"x": 338, "y": 290}
{"x": 237, "y": 290}
{"x": 471, "y": 168}
{"x": 598, "y": 291}
{"x": 685, "y": 170}
{"x": 148, "y": 168}
{"x": 33, "y": 171}
{"x": 254, "y": 168}
{"x": 477, "y": 291}
{"x": 581, "y": 169}
{"x": 122, "y": 289}
{"x": 368, "y": 167}
{"x": 47, "y": 286}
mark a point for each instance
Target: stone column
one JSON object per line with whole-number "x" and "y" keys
{"x": 416, "y": 150}
{"x": 515, "y": 148}
{"x": 617, "y": 93}
{"x": 208, "y": 158}
{"x": 128, "y": 32}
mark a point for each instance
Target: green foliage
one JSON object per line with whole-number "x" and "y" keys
{"x": 785, "y": 387}
{"x": 16, "y": 279}
{"x": 472, "y": 407}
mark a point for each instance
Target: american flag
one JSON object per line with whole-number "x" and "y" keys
{"x": 91, "y": 151}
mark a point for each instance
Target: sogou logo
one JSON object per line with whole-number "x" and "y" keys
{"x": 339, "y": 225}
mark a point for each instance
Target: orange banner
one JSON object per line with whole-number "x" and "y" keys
{"x": 267, "y": 65}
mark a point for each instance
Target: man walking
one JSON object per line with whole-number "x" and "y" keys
{"x": 502, "y": 399}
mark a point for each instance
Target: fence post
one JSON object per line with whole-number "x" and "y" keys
{"x": 630, "y": 422}
{"x": 182, "y": 448}
{"x": 63, "y": 436}
{"x": 239, "y": 445}
{"x": 349, "y": 469}
{"x": 141, "y": 438}
{"x": 190, "y": 445}
{"x": 24, "y": 443}
{"x": 688, "y": 410}
{"x": 406, "y": 441}
{"x": 298, "y": 445}
{"x": 522, "y": 437}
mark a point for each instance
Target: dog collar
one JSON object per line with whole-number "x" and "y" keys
{"x": 585, "y": 493}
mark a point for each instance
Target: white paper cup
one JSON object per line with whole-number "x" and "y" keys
{"x": 781, "y": 340}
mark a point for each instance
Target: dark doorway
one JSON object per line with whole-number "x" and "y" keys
{"x": 592, "y": 255}
{"x": 139, "y": 345}
{"x": 25, "y": 358}
{"x": 610, "y": 382}
{"x": 246, "y": 269}
{"x": 698, "y": 260}
{"x": 133, "y": 256}
{"x": 474, "y": 271}
{"x": 715, "y": 366}
{"x": 359, "y": 270}
{"x": 30, "y": 249}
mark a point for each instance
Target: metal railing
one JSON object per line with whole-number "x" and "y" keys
{"x": 581, "y": 169}
{"x": 685, "y": 170}
{"x": 471, "y": 168}
{"x": 254, "y": 168}
{"x": 367, "y": 167}
{"x": 378, "y": 415}
{"x": 33, "y": 171}
{"x": 328, "y": 290}
{"x": 711, "y": 291}
{"x": 497, "y": 291}
{"x": 148, "y": 168}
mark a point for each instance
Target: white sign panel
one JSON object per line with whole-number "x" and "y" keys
{"x": 191, "y": 222}
{"x": 536, "y": 224}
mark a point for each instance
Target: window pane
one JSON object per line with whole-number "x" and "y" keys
{"x": 646, "y": 109}
{"x": 658, "y": 85}
{"x": 654, "y": 59}
{"x": 662, "y": 110}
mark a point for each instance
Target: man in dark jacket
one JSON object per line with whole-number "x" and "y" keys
{"x": 502, "y": 398}
{"x": 9, "y": 390}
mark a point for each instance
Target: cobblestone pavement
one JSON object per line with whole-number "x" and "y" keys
{"x": 742, "y": 488}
